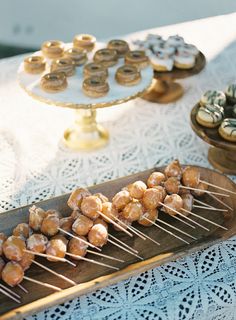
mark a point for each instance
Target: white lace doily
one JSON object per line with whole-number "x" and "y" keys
{"x": 34, "y": 166}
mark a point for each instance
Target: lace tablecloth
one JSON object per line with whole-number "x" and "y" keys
{"x": 34, "y": 166}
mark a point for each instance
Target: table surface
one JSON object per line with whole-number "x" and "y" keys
{"x": 35, "y": 166}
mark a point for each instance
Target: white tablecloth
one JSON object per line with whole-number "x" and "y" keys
{"x": 34, "y": 166}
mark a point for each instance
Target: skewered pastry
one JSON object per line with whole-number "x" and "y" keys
{"x": 171, "y": 185}
{"x": 22, "y": 230}
{"x": 13, "y": 248}
{"x": 173, "y": 169}
{"x": 84, "y": 41}
{"x": 191, "y": 177}
{"x": 37, "y": 242}
{"x": 120, "y": 46}
{"x": 150, "y": 214}
{"x": 106, "y": 57}
{"x": 213, "y": 97}
{"x": 132, "y": 211}
{"x": 155, "y": 179}
{"x": 53, "y": 49}
{"x": 95, "y": 69}
{"x": 189, "y": 48}
{"x": 187, "y": 202}
{"x": 12, "y": 273}
{"x": 210, "y": 116}
{"x": 98, "y": 235}
{"x": 101, "y": 197}
{"x": 201, "y": 188}
{"x": 77, "y": 247}
{"x": 91, "y": 206}
{"x": 100, "y": 221}
{"x": 152, "y": 198}
{"x": 227, "y": 129}
{"x": 128, "y": 75}
{"x": 110, "y": 211}
{"x": 54, "y": 82}
{"x": 121, "y": 199}
{"x": 65, "y": 65}
{"x": 82, "y": 225}
{"x": 56, "y": 247}
{"x": 231, "y": 93}
{"x": 77, "y": 55}
{"x": 95, "y": 87}
{"x": 161, "y": 61}
{"x": 2, "y": 239}
{"x": 50, "y": 225}
{"x": 76, "y": 197}
{"x": 184, "y": 60}
{"x": 173, "y": 201}
{"x": 34, "y": 64}
{"x": 36, "y": 216}
{"x": 175, "y": 41}
{"x": 137, "y": 189}
{"x": 137, "y": 58}
{"x": 26, "y": 260}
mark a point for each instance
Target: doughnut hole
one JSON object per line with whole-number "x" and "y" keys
{"x": 172, "y": 185}
{"x": 137, "y": 189}
{"x": 2, "y": 264}
{"x": 173, "y": 169}
{"x": 174, "y": 201}
{"x": 52, "y": 212}
{"x": 22, "y": 230}
{"x": 26, "y": 260}
{"x": 36, "y": 216}
{"x": 77, "y": 247}
{"x": 150, "y": 214}
{"x": 152, "y": 198}
{"x": 121, "y": 199}
{"x": 109, "y": 211}
{"x": 75, "y": 214}
{"x": 57, "y": 248}
{"x": 37, "y": 243}
{"x": 101, "y": 221}
{"x": 101, "y": 197}
{"x": 12, "y": 273}
{"x": 2, "y": 239}
{"x": 82, "y": 225}
{"x": 162, "y": 190}
{"x": 50, "y": 225}
{"x": 190, "y": 177}
{"x": 132, "y": 211}
{"x": 76, "y": 197}
{"x": 91, "y": 206}
{"x": 13, "y": 248}
{"x": 187, "y": 203}
{"x": 98, "y": 235}
{"x": 66, "y": 223}
{"x": 198, "y": 193}
{"x": 155, "y": 179}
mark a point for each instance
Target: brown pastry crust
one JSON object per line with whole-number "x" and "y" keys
{"x": 95, "y": 69}
{"x": 137, "y": 58}
{"x": 120, "y": 46}
{"x": 95, "y": 87}
{"x": 53, "y": 49}
{"x": 107, "y": 57}
{"x": 65, "y": 65}
{"x": 84, "y": 41}
{"x": 77, "y": 55}
{"x": 53, "y": 82}
{"x": 128, "y": 75}
{"x": 34, "y": 64}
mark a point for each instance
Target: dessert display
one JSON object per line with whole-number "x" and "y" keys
{"x": 120, "y": 46}
{"x": 128, "y": 75}
{"x": 34, "y": 64}
{"x": 54, "y": 82}
{"x": 95, "y": 87}
{"x": 84, "y": 41}
{"x": 53, "y": 49}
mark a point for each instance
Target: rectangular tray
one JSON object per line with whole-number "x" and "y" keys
{"x": 92, "y": 277}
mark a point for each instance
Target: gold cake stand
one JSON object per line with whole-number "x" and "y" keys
{"x": 164, "y": 89}
{"x": 86, "y": 133}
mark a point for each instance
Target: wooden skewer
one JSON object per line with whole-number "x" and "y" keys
{"x": 124, "y": 249}
{"x": 177, "y": 229}
{"x": 104, "y": 256}
{"x": 122, "y": 243}
{"x": 80, "y": 239}
{"x": 10, "y": 291}
{"x": 91, "y": 261}
{"x": 149, "y": 238}
{"x": 44, "y": 284}
{"x": 183, "y": 216}
{"x": 55, "y": 273}
{"x": 209, "y": 206}
{"x": 182, "y": 221}
{"x": 205, "y": 191}
{"x": 44, "y": 255}
{"x": 205, "y": 219}
{"x": 217, "y": 187}
{"x": 22, "y": 288}
{"x": 9, "y": 295}
{"x": 221, "y": 202}
{"x": 115, "y": 224}
{"x": 164, "y": 229}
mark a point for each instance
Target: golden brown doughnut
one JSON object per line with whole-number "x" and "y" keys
{"x": 95, "y": 87}
{"x": 120, "y": 46}
{"x": 77, "y": 55}
{"x": 128, "y": 75}
{"x": 54, "y": 82}
{"x": 137, "y": 58}
{"x": 84, "y": 41}
{"x": 34, "y": 64}
{"x": 107, "y": 57}
{"x": 65, "y": 65}
{"x": 53, "y": 49}
{"x": 95, "y": 69}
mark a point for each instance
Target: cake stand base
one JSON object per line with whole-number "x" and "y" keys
{"x": 162, "y": 91}
{"x": 86, "y": 134}
{"x": 224, "y": 161}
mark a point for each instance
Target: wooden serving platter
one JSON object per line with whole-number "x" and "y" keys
{"x": 91, "y": 277}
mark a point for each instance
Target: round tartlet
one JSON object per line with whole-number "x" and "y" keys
{"x": 54, "y": 82}
{"x": 84, "y": 41}
{"x": 77, "y": 55}
{"x": 65, "y": 65}
{"x": 53, "y": 49}
{"x": 227, "y": 129}
{"x": 184, "y": 60}
{"x": 137, "y": 58}
{"x": 95, "y": 69}
{"x": 128, "y": 75}
{"x": 95, "y": 87}
{"x": 120, "y": 46}
{"x": 210, "y": 116}
{"x": 34, "y": 64}
{"x": 107, "y": 57}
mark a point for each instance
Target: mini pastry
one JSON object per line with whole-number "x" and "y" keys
{"x": 95, "y": 87}
{"x": 137, "y": 58}
{"x": 227, "y": 129}
{"x": 95, "y": 69}
{"x": 142, "y": 44}
{"x": 128, "y": 75}
{"x": 213, "y": 97}
{"x": 120, "y": 46}
{"x": 165, "y": 49}
{"x": 189, "y": 48}
{"x": 107, "y": 57}
{"x": 175, "y": 41}
{"x": 210, "y": 116}
{"x": 162, "y": 62}
{"x": 34, "y": 64}
{"x": 53, "y": 49}
{"x": 184, "y": 60}
{"x": 234, "y": 111}
{"x": 231, "y": 93}
{"x": 54, "y": 82}
{"x": 154, "y": 39}
{"x": 77, "y": 55}
{"x": 84, "y": 41}
{"x": 65, "y": 65}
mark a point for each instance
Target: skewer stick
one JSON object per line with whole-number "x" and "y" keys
{"x": 205, "y": 191}
{"x": 183, "y": 216}
{"x": 9, "y": 295}
{"x": 10, "y": 291}
{"x": 184, "y": 222}
{"x": 149, "y": 238}
{"x": 115, "y": 224}
{"x": 44, "y": 284}
{"x": 177, "y": 229}
{"x": 55, "y": 273}
{"x": 104, "y": 256}
{"x": 208, "y": 205}
{"x": 91, "y": 260}
{"x": 205, "y": 219}
{"x": 217, "y": 187}
{"x": 80, "y": 239}
{"x": 221, "y": 202}
{"x": 164, "y": 229}
{"x": 208, "y": 208}
{"x": 44, "y": 255}
{"x": 124, "y": 249}
{"x": 22, "y": 288}
{"x": 122, "y": 243}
